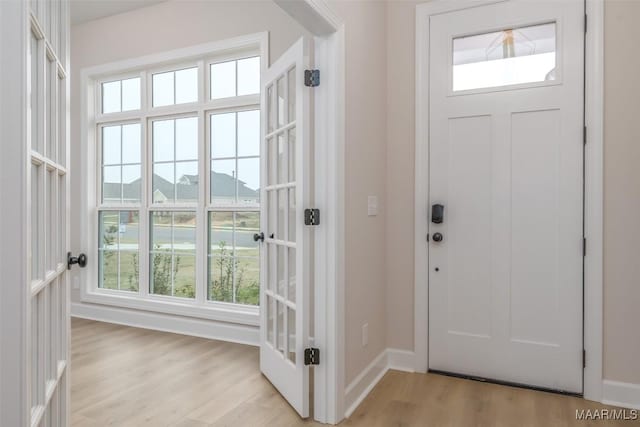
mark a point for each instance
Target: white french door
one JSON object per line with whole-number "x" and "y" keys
{"x": 506, "y": 164}
{"x": 285, "y": 278}
{"x": 48, "y": 213}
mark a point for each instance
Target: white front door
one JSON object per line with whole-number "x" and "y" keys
{"x": 46, "y": 174}
{"x": 506, "y": 164}
{"x": 285, "y": 281}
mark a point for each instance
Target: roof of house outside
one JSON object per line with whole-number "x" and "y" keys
{"x": 186, "y": 187}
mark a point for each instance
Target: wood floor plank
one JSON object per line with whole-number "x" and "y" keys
{"x": 129, "y": 377}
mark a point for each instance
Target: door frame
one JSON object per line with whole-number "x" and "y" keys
{"x": 593, "y": 186}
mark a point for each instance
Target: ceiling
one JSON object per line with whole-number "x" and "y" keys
{"x": 88, "y": 10}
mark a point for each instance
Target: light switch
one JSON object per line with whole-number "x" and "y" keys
{"x": 372, "y": 205}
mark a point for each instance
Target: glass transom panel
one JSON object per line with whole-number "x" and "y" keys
{"x": 502, "y": 58}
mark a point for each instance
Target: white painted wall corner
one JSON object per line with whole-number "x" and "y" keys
{"x": 361, "y": 386}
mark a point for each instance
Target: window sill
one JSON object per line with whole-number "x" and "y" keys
{"x": 223, "y": 312}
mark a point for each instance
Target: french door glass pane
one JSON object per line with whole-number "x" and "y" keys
{"x": 291, "y": 332}
{"x": 36, "y": 84}
{"x": 234, "y": 257}
{"x": 172, "y": 255}
{"x": 35, "y": 222}
{"x": 118, "y": 250}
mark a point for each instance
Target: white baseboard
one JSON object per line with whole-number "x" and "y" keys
{"x": 626, "y": 395}
{"x": 241, "y": 334}
{"x": 401, "y": 360}
{"x": 361, "y": 386}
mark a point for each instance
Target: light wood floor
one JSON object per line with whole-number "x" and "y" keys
{"x": 123, "y": 376}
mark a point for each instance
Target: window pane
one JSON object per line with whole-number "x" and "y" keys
{"x": 187, "y": 139}
{"x": 248, "y": 281}
{"x": 131, "y": 178}
{"x": 246, "y": 225}
{"x": 108, "y": 270}
{"x": 172, "y": 257}
{"x": 221, "y": 233}
{"x": 187, "y": 85}
{"x": 161, "y": 238}
{"x": 163, "y": 89}
{"x": 131, "y": 135}
{"x": 223, "y": 135}
{"x": 221, "y": 278}
{"x": 111, "y": 97}
{"x": 508, "y": 57}
{"x": 223, "y": 80}
{"x": 163, "y": 134}
{"x": 249, "y": 76}
{"x": 131, "y": 94}
{"x": 234, "y": 257}
{"x": 187, "y": 185}
{"x": 118, "y": 250}
{"x": 111, "y": 145}
{"x": 223, "y": 181}
{"x": 249, "y": 180}
{"x": 111, "y": 184}
{"x": 249, "y": 133}
{"x": 163, "y": 183}
{"x": 184, "y": 232}
{"x": 185, "y": 276}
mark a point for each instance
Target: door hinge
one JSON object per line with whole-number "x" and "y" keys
{"x": 311, "y": 356}
{"x": 312, "y": 217}
{"x": 584, "y": 246}
{"x": 312, "y": 78}
{"x": 584, "y": 358}
{"x": 584, "y": 135}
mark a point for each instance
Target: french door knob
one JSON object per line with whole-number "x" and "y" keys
{"x": 81, "y": 260}
{"x": 258, "y": 237}
{"x": 438, "y": 237}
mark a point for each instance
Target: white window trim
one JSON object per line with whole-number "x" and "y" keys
{"x": 203, "y": 55}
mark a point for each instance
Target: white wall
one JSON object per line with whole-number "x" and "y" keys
{"x": 365, "y": 175}
{"x": 162, "y": 27}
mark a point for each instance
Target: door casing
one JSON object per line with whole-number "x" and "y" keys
{"x": 593, "y": 196}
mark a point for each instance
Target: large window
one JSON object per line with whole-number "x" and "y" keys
{"x": 178, "y": 151}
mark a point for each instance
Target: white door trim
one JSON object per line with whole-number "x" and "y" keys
{"x": 593, "y": 279}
